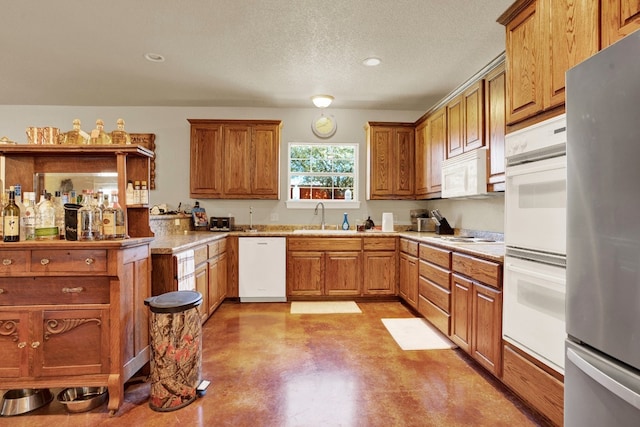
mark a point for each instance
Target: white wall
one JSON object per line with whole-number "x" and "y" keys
{"x": 171, "y": 128}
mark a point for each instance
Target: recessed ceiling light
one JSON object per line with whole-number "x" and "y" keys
{"x": 154, "y": 57}
{"x": 372, "y": 61}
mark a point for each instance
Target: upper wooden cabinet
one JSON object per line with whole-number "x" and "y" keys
{"x": 436, "y": 146}
{"x": 544, "y": 38}
{"x": 619, "y": 18}
{"x": 421, "y": 170}
{"x": 235, "y": 159}
{"x": 390, "y": 160}
{"x": 465, "y": 120}
{"x": 495, "y": 126}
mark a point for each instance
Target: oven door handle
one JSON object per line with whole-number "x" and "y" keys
{"x": 537, "y": 275}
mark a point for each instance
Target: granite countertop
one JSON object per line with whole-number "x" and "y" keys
{"x": 489, "y": 250}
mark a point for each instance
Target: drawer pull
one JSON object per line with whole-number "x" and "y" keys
{"x": 1, "y": 291}
{"x": 7, "y": 261}
{"x": 22, "y": 344}
{"x": 44, "y": 261}
{"x": 72, "y": 290}
{"x": 89, "y": 261}
{"x": 35, "y": 344}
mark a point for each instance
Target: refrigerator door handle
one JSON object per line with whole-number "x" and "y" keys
{"x": 595, "y": 369}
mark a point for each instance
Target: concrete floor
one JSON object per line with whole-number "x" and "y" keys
{"x": 268, "y": 367}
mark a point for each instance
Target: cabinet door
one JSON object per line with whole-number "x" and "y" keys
{"x": 379, "y": 273}
{"x": 455, "y": 127}
{"x": 343, "y": 273}
{"x": 409, "y": 279}
{"x": 14, "y": 344}
{"x": 237, "y": 160}
{"x": 380, "y": 162}
{"x": 421, "y": 169}
{"x": 265, "y": 171}
{"x": 202, "y": 286}
{"x": 212, "y": 285}
{"x": 487, "y": 328}
{"x": 222, "y": 277}
{"x": 70, "y": 342}
{"x": 524, "y": 47}
{"x": 436, "y": 151}
{"x": 207, "y": 159}
{"x": 461, "y": 306}
{"x": 495, "y": 126}
{"x": 619, "y": 19}
{"x": 473, "y": 113}
{"x": 404, "y": 145}
{"x": 305, "y": 273}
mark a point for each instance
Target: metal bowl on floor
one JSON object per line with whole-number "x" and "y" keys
{"x": 21, "y": 401}
{"x": 82, "y": 399}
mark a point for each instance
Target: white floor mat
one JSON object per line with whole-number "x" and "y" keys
{"x": 324, "y": 307}
{"x": 416, "y": 334}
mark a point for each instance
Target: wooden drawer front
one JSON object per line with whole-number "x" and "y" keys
{"x": 58, "y": 290}
{"x": 441, "y": 257}
{"x": 544, "y": 392}
{"x": 433, "y": 314}
{"x": 71, "y": 261}
{"x": 408, "y": 246}
{"x": 434, "y": 293}
{"x": 324, "y": 244}
{"x": 222, "y": 245}
{"x": 486, "y": 272}
{"x": 200, "y": 254}
{"x": 13, "y": 262}
{"x": 379, "y": 243}
{"x": 436, "y": 274}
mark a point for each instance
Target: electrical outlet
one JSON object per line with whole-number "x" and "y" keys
{"x": 176, "y": 221}
{"x": 273, "y": 217}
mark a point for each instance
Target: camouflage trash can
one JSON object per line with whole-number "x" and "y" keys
{"x": 176, "y": 349}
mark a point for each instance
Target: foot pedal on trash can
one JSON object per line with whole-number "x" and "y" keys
{"x": 201, "y": 390}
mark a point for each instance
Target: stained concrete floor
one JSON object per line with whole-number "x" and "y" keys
{"x": 268, "y": 367}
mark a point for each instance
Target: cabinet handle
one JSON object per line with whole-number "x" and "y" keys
{"x": 1, "y": 291}
{"x": 72, "y": 290}
{"x": 44, "y": 261}
{"x": 7, "y": 261}
{"x": 22, "y": 344}
{"x": 35, "y": 344}
{"x": 89, "y": 261}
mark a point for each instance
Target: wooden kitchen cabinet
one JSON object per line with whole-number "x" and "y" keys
{"x": 436, "y": 151}
{"x": 380, "y": 259}
{"x": 421, "y": 170}
{"x": 235, "y": 159}
{"x": 408, "y": 266}
{"x": 390, "y": 160}
{"x": 73, "y": 314}
{"x": 434, "y": 286}
{"x": 544, "y": 38}
{"x": 326, "y": 266}
{"x": 619, "y": 18}
{"x": 465, "y": 120}
{"x": 477, "y": 309}
{"x": 495, "y": 126}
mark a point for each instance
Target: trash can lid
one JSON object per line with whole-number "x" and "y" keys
{"x": 174, "y": 302}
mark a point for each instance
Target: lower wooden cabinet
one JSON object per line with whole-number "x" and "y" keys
{"x": 408, "y": 264}
{"x": 380, "y": 259}
{"x": 434, "y": 286}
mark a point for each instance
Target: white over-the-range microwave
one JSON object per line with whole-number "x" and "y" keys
{"x": 465, "y": 175}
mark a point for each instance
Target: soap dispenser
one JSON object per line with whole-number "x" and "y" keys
{"x": 345, "y": 222}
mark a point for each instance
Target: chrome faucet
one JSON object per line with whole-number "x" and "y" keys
{"x": 315, "y": 212}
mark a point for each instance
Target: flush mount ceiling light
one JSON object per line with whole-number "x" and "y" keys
{"x": 372, "y": 61}
{"x": 322, "y": 101}
{"x": 154, "y": 57}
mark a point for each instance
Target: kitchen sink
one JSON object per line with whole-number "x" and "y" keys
{"x": 324, "y": 231}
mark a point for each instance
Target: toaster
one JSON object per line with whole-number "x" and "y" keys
{"x": 221, "y": 223}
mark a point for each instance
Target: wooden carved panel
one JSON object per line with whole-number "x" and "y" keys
{"x": 147, "y": 140}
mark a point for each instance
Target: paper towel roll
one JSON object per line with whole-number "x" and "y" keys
{"x": 387, "y": 221}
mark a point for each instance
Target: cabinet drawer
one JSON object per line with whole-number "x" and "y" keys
{"x": 408, "y": 246}
{"x": 433, "y": 314}
{"x": 13, "y": 262}
{"x": 434, "y": 293}
{"x": 324, "y": 244}
{"x": 200, "y": 254}
{"x": 379, "y": 243}
{"x": 481, "y": 270}
{"x": 70, "y": 261}
{"x": 436, "y": 274}
{"x": 58, "y": 290}
{"x": 222, "y": 245}
{"x": 441, "y": 257}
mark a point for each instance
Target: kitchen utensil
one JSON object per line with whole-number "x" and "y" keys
{"x": 82, "y": 399}
{"x": 387, "y": 221}
{"x": 21, "y": 401}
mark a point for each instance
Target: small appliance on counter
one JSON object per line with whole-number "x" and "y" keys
{"x": 221, "y": 223}
{"x": 420, "y": 220}
{"x": 442, "y": 225}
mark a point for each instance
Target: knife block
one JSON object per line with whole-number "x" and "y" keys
{"x": 444, "y": 227}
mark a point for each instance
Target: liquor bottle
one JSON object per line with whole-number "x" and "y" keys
{"x": 137, "y": 199}
{"x": 120, "y": 136}
{"x": 76, "y": 136}
{"x": 129, "y": 194}
{"x": 345, "y": 222}
{"x": 28, "y": 217}
{"x": 11, "y": 218}
{"x": 87, "y": 223}
{"x": 46, "y": 228}
{"x": 57, "y": 202}
{"x": 113, "y": 219}
{"x": 98, "y": 135}
{"x": 144, "y": 193}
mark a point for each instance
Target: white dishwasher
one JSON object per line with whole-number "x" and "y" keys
{"x": 262, "y": 269}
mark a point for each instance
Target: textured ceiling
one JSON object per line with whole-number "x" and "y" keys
{"x": 260, "y": 53}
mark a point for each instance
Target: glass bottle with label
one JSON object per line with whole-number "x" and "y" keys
{"x": 144, "y": 193}
{"x": 98, "y": 135}
{"x": 28, "y": 217}
{"x": 113, "y": 219}
{"x": 76, "y": 136}
{"x": 57, "y": 202}
{"x": 11, "y": 218}
{"x": 46, "y": 228}
{"x": 345, "y": 222}
{"x": 87, "y": 224}
{"x": 120, "y": 136}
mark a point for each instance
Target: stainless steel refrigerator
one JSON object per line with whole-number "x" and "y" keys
{"x": 602, "y": 353}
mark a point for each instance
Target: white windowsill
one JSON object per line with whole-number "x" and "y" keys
{"x": 328, "y": 204}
